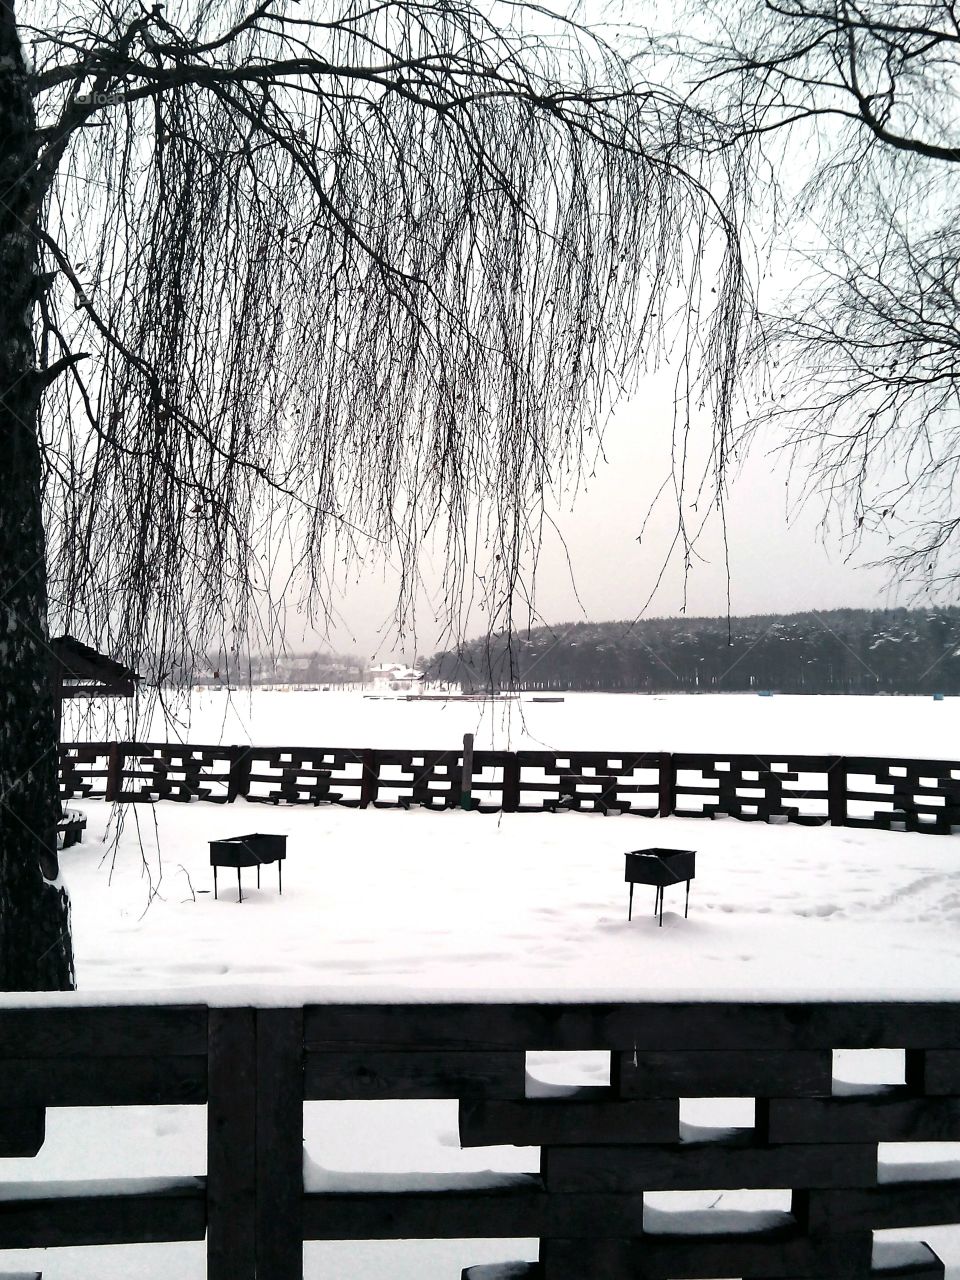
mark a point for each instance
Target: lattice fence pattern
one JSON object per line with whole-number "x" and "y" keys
{"x": 164, "y": 771}
{"x": 754, "y": 788}
{"x": 896, "y": 795}
{"x": 609, "y": 1153}
{"x": 903, "y": 795}
{"x": 83, "y": 769}
{"x": 301, "y": 775}
{"x": 604, "y": 782}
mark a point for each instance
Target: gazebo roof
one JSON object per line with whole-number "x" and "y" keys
{"x": 82, "y": 672}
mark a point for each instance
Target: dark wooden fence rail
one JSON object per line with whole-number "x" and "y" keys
{"x": 852, "y": 791}
{"x": 604, "y": 1148}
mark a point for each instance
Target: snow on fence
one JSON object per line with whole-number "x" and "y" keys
{"x": 606, "y": 1150}
{"x": 853, "y": 791}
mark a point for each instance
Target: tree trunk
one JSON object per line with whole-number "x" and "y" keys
{"x": 35, "y": 946}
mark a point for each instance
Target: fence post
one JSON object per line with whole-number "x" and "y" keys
{"x": 466, "y": 772}
{"x": 279, "y": 1157}
{"x": 511, "y": 783}
{"x": 668, "y": 785}
{"x": 232, "y": 1145}
{"x": 114, "y": 783}
{"x": 238, "y": 781}
{"x": 369, "y": 778}
{"x": 837, "y": 792}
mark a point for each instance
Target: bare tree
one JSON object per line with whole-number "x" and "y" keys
{"x": 850, "y": 107}
{"x": 307, "y": 278}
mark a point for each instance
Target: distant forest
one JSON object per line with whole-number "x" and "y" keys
{"x": 837, "y": 651}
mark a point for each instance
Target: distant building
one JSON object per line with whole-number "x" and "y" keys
{"x": 393, "y": 677}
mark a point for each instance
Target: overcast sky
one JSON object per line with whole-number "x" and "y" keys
{"x": 776, "y": 565}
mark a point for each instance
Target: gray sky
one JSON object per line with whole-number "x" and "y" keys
{"x": 777, "y": 565}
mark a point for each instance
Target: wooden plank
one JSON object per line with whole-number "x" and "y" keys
{"x": 430, "y": 1215}
{"x": 729, "y": 1073}
{"x": 116, "y": 1031}
{"x": 941, "y": 1071}
{"x": 431, "y": 1074}
{"x": 551, "y": 1121}
{"x": 865, "y": 1119}
{"x": 238, "y": 782}
{"x": 511, "y": 1211}
{"x": 837, "y": 792}
{"x": 105, "y": 1082}
{"x": 659, "y": 1257}
{"x": 231, "y": 1145}
{"x": 22, "y": 1128}
{"x": 279, "y": 1144}
{"x": 694, "y": 1166}
{"x": 177, "y": 1212}
{"x": 369, "y": 777}
{"x": 667, "y": 784}
{"x": 675, "y": 1025}
{"x": 114, "y": 772}
{"x": 511, "y": 783}
{"x": 894, "y": 1204}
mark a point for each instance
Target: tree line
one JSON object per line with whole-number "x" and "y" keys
{"x": 839, "y": 651}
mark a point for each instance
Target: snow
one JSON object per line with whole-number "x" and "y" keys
{"x": 415, "y": 905}
{"x": 832, "y": 725}
{"x": 388, "y": 904}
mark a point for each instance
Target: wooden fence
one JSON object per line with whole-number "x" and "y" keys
{"x": 604, "y": 1148}
{"x": 852, "y": 791}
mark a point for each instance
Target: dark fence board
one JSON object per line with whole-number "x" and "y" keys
{"x": 894, "y": 1204}
{"x": 415, "y": 1075}
{"x": 111, "y": 1217}
{"x": 128, "y": 1032}
{"x": 724, "y": 1073}
{"x": 22, "y": 1128}
{"x": 231, "y": 1145}
{"x": 717, "y": 1165}
{"x": 681, "y": 1025}
{"x": 774, "y": 1255}
{"x": 941, "y": 1072}
{"x": 279, "y": 1144}
{"x": 873, "y": 1119}
{"x": 541, "y": 1122}
{"x": 105, "y": 1082}
{"x": 519, "y": 1210}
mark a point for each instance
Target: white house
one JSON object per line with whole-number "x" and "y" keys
{"x": 393, "y": 677}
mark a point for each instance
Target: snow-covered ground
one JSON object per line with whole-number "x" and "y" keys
{"x": 883, "y": 726}
{"x": 380, "y": 904}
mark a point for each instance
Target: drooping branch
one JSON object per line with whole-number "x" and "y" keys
{"x": 352, "y": 277}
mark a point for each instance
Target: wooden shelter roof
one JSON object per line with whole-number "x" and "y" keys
{"x": 82, "y": 672}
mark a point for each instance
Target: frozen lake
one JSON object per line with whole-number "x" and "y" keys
{"x": 918, "y": 727}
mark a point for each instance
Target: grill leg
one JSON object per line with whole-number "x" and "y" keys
{"x": 686, "y": 905}
{"x": 661, "y": 906}
{"x": 239, "y": 888}
{"x": 214, "y": 882}
{"x": 280, "y": 875}
{"x": 630, "y": 911}
{"x": 258, "y": 875}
